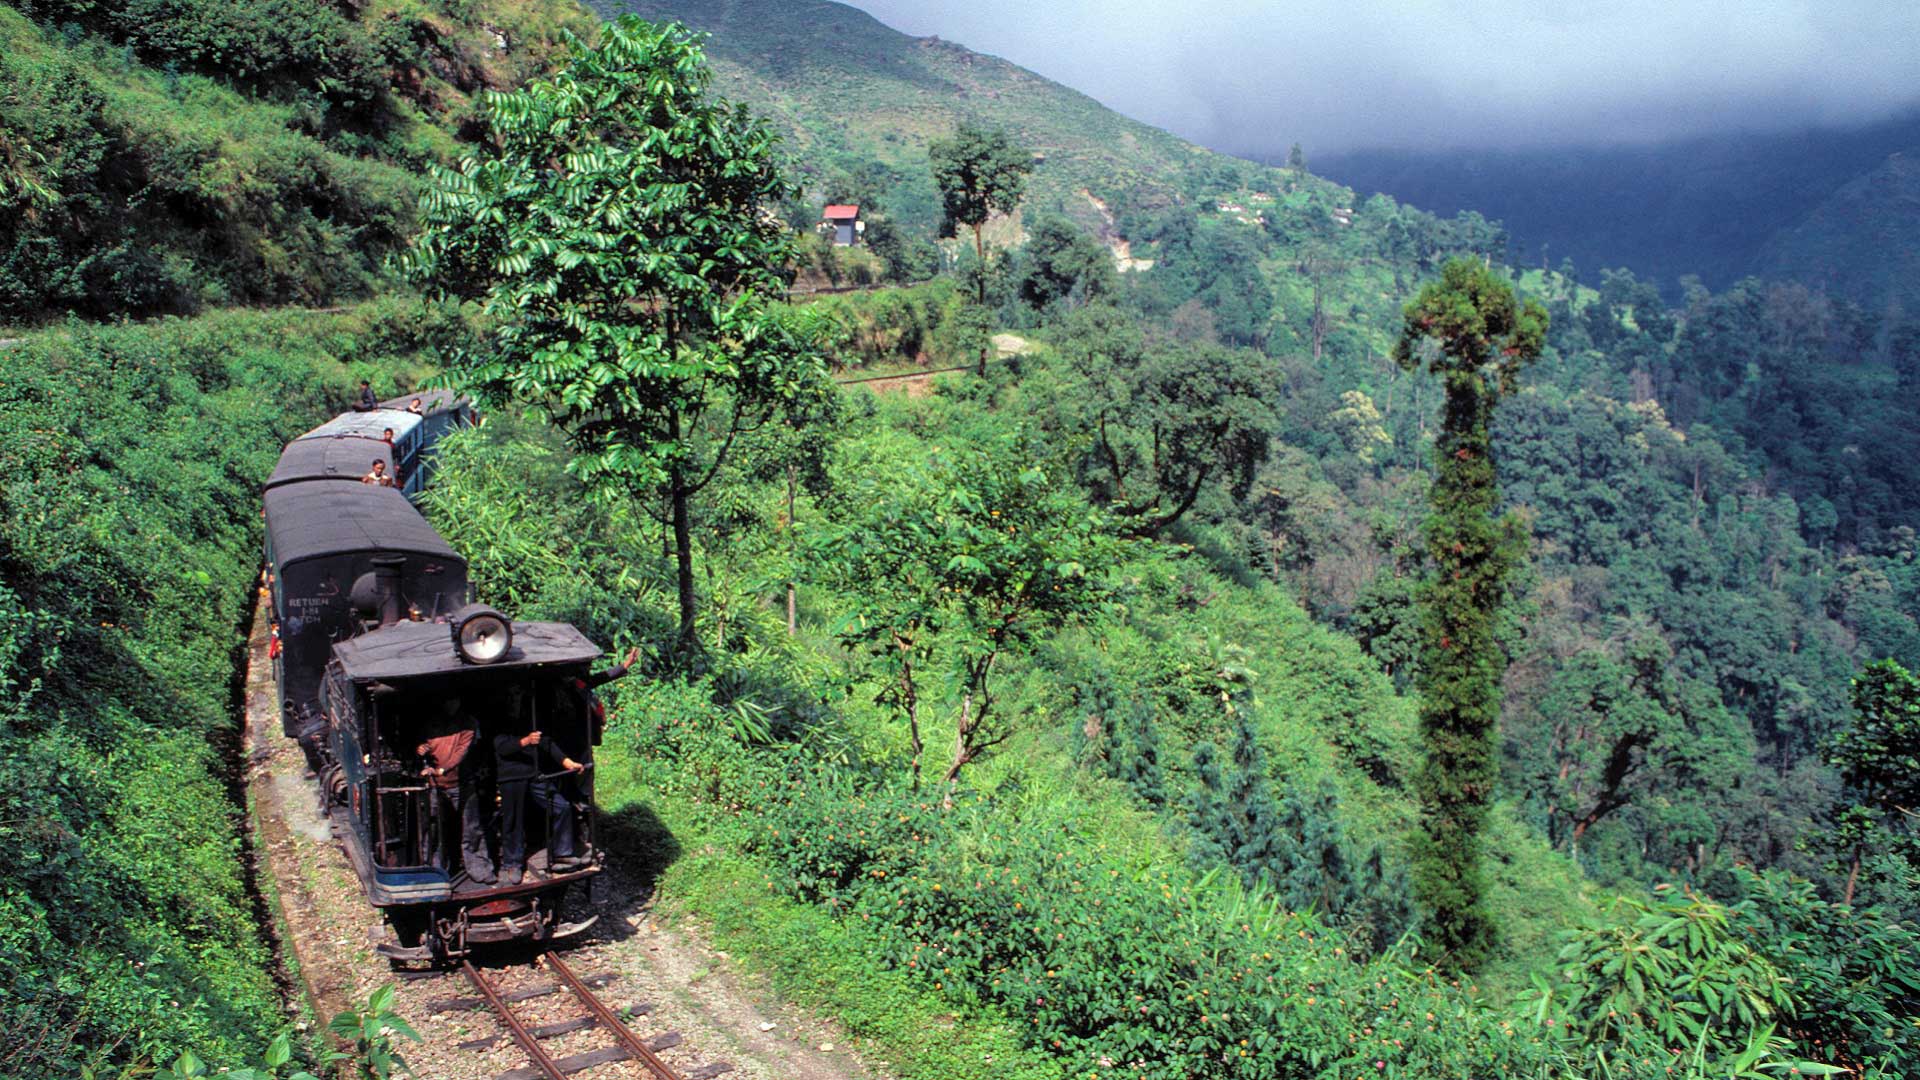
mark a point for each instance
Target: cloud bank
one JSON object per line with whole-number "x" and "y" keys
{"x": 1253, "y": 77}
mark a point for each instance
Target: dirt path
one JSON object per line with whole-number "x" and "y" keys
{"x": 1121, "y": 247}
{"x": 686, "y": 987}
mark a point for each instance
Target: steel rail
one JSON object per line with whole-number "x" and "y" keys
{"x": 540, "y": 1058}
{"x": 919, "y": 373}
{"x": 628, "y": 1039}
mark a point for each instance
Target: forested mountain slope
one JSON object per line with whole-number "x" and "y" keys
{"x": 1714, "y": 206}
{"x": 1204, "y": 782}
{"x": 168, "y": 157}
{"x": 858, "y": 102}
{"x": 1765, "y": 553}
{"x": 1862, "y": 241}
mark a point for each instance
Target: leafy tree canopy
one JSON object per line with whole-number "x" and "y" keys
{"x": 1165, "y": 419}
{"x": 621, "y": 233}
{"x": 1064, "y": 266}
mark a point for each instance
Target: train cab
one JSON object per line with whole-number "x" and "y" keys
{"x": 385, "y": 692}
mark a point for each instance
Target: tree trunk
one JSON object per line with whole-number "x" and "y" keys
{"x": 910, "y": 695}
{"x": 962, "y": 751}
{"x": 682, "y": 543}
{"x": 1853, "y": 878}
{"x": 1319, "y": 322}
{"x": 980, "y": 252}
{"x": 793, "y": 621}
{"x": 683, "y": 555}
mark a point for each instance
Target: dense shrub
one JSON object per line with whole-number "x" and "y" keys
{"x": 160, "y": 156}
{"x": 1146, "y": 971}
{"x": 128, "y": 548}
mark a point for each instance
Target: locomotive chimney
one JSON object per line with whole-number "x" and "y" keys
{"x": 386, "y": 574}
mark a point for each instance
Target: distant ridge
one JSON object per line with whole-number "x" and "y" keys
{"x": 1862, "y": 241}
{"x": 848, "y": 90}
{"x": 1720, "y": 206}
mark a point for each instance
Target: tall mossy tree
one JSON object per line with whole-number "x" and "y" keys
{"x": 619, "y": 233}
{"x": 1469, "y": 331}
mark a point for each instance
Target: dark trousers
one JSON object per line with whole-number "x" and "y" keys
{"x": 467, "y": 805}
{"x": 515, "y": 797}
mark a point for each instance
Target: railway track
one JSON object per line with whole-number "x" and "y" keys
{"x": 543, "y": 1065}
{"x": 923, "y": 373}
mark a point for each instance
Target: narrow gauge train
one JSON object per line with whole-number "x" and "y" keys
{"x": 374, "y": 639}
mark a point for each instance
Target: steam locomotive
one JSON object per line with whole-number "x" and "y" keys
{"x": 373, "y": 640}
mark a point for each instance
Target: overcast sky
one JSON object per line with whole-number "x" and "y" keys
{"x": 1253, "y": 76}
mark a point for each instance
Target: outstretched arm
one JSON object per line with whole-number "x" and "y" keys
{"x": 616, "y": 671}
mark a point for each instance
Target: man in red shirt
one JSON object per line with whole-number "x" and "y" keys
{"x": 452, "y": 774}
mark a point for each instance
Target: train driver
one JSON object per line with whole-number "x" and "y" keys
{"x": 518, "y": 758}
{"x": 451, "y": 769}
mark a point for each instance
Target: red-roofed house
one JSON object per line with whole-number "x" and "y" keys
{"x": 845, "y": 222}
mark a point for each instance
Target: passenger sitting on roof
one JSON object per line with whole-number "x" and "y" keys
{"x": 416, "y": 408}
{"x": 451, "y": 769}
{"x": 367, "y": 402}
{"x": 518, "y": 757}
{"x": 379, "y": 475}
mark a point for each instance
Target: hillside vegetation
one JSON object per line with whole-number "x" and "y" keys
{"x": 162, "y": 158}
{"x": 129, "y": 550}
{"x": 859, "y": 101}
{"x": 1860, "y": 241}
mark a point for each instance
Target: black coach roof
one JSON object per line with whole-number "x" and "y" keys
{"x": 328, "y": 459}
{"x": 408, "y": 650}
{"x": 307, "y": 521}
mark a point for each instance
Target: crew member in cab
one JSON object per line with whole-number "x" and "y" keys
{"x": 450, "y": 766}
{"x": 519, "y": 757}
{"x": 584, "y": 686}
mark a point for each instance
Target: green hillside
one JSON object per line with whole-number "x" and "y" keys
{"x": 1863, "y": 241}
{"x": 1183, "y": 847}
{"x": 859, "y": 101}
{"x": 165, "y": 158}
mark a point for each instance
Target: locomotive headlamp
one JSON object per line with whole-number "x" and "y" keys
{"x": 481, "y": 635}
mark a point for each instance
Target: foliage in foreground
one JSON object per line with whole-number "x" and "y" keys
{"x": 1045, "y": 899}
{"x": 1117, "y": 963}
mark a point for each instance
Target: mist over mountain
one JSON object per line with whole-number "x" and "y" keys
{"x": 1710, "y": 206}
{"x": 1251, "y": 77}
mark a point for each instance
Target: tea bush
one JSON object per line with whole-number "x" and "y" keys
{"x": 1121, "y": 967}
